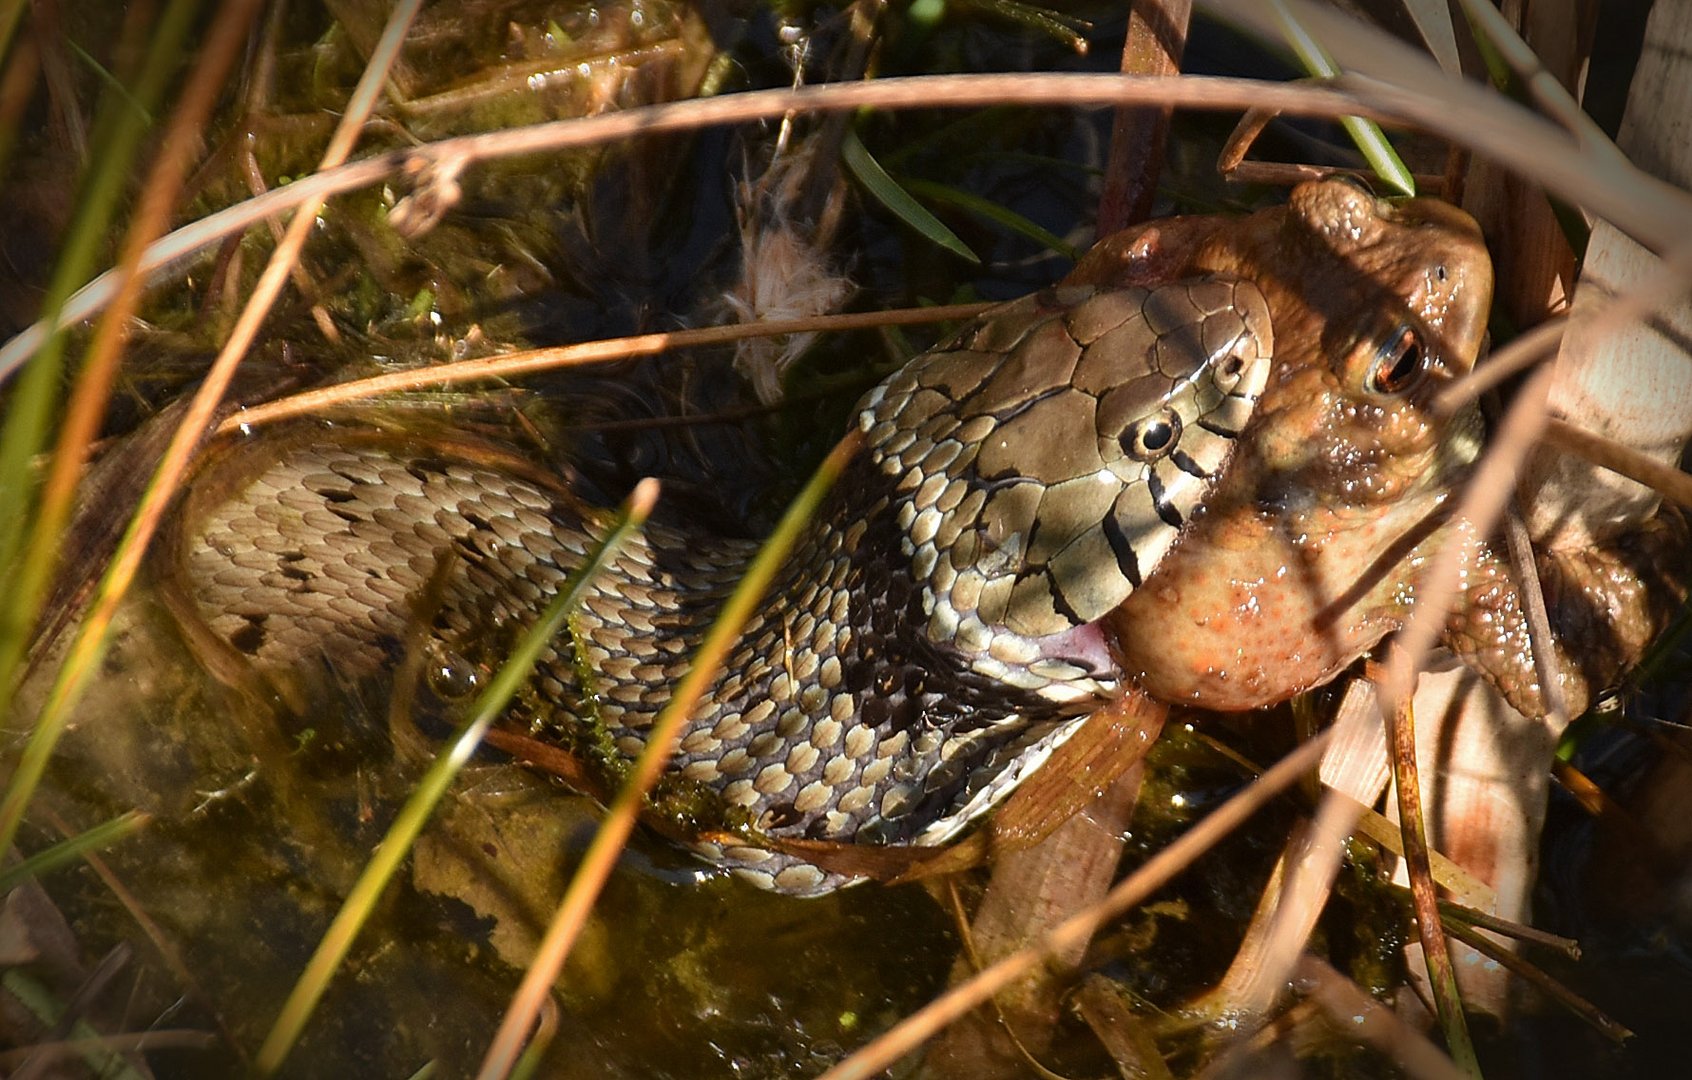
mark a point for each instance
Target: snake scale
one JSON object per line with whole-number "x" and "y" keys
{"x": 927, "y": 645}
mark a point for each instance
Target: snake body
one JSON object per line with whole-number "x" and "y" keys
{"x": 929, "y": 643}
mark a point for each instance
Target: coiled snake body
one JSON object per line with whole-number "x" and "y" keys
{"x": 926, "y": 647}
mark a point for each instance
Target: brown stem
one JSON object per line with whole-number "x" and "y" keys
{"x": 1157, "y": 36}
{"x": 1442, "y": 978}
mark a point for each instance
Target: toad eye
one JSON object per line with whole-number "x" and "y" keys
{"x": 1397, "y": 362}
{"x": 1152, "y": 437}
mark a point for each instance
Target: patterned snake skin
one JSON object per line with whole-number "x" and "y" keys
{"x": 925, "y": 648}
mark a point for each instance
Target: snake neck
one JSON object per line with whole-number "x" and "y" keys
{"x": 836, "y": 717}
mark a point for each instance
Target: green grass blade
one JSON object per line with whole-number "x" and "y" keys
{"x": 887, "y": 191}
{"x": 1368, "y": 136}
{"x": 10, "y": 12}
{"x": 488, "y": 707}
{"x": 993, "y": 212}
{"x": 661, "y": 737}
{"x": 91, "y": 1047}
{"x": 100, "y": 836}
{"x": 35, "y": 397}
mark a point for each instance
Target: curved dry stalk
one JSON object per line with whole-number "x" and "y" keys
{"x": 1470, "y": 116}
{"x": 512, "y": 365}
{"x": 1533, "y": 347}
{"x": 912, "y": 1031}
{"x": 1367, "y": 1020}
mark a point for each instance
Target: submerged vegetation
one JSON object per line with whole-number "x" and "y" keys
{"x": 527, "y": 176}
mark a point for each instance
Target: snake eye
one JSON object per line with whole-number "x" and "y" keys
{"x": 1152, "y": 437}
{"x": 1397, "y": 362}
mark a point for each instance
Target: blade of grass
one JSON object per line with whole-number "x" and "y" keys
{"x": 102, "y": 835}
{"x": 396, "y": 844}
{"x": 95, "y": 1050}
{"x": 35, "y": 398}
{"x": 1066, "y": 30}
{"x": 887, "y": 191}
{"x": 86, "y": 649}
{"x": 177, "y": 150}
{"x": 620, "y": 817}
{"x": 1370, "y": 139}
{"x": 992, "y": 211}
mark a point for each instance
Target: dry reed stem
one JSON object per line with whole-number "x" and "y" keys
{"x": 512, "y": 365}
{"x": 1538, "y": 979}
{"x": 1468, "y": 115}
{"x": 1478, "y": 511}
{"x": 1436, "y": 953}
{"x": 1366, "y": 1020}
{"x": 1157, "y": 871}
{"x": 1666, "y": 480}
{"x": 1523, "y": 352}
{"x": 158, "y": 195}
{"x": 1156, "y": 40}
{"x": 89, "y": 644}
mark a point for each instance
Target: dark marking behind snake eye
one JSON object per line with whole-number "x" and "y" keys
{"x": 1187, "y": 465}
{"x": 1160, "y": 499}
{"x": 1126, "y": 560}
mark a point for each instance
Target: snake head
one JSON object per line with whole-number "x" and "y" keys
{"x": 1043, "y": 461}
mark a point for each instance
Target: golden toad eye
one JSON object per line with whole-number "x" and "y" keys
{"x": 1152, "y": 437}
{"x": 1397, "y": 362}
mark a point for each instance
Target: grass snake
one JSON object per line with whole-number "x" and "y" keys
{"x": 929, "y": 643}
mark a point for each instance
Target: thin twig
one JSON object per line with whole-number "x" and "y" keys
{"x": 912, "y": 1031}
{"x": 1666, "y": 480}
{"x": 1156, "y": 40}
{"x": 512, "y": 365}
{"x": 1635, "y": 201}
{"x": 1442, "y": 977}
{"x": 1538, "y": 979}
{"x": 1477, "y": 512}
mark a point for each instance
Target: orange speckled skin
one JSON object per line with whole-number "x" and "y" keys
{"x": 1302, "y": 557}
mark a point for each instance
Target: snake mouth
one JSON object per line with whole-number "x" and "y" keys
{"x": 1084, "y": 645}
